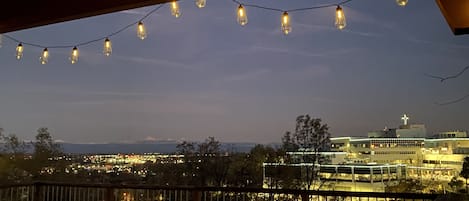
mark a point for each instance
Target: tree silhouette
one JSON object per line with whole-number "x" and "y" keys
{"x": 45, "y": 150}
{"x": 311, "y": 137}
{"x": 465, "y": 170}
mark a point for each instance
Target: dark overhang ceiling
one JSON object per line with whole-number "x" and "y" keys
{"x": 20, "y": 14}
{"x": 17, "y": 15}
{"x": 456, "y": 13}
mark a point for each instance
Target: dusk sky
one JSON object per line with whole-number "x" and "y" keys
{"x": 205, "y": 75}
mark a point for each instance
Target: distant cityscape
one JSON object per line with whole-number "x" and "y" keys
{"x": 163, "y": 147}
{"x": 372, "y": 164}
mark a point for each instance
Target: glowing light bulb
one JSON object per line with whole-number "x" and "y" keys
{"x": 74, "y": 55}
{"x": 19, "y": 51}
{"x": 200, "y": 3}
{"x": 340, "y": 21}
{"x": 286, "y": 26}
{"x": 175, "y": 9}
{"x": 242, "y": 15}
{"x": 45, "y": 56}
{"x": 401, "y": 2}
{"x": 107, "y": 48}
{"x": 141, "y": 32}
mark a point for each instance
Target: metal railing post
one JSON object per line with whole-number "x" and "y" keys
{"x": 196, "y": 195}
{"x": 37, "y": 194}
{"x": 305, "y": 197}
{"x": 109, "y": 194}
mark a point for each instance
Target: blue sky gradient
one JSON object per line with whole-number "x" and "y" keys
{"x": 204, "y": 75}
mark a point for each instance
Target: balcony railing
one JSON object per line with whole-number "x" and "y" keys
{"x": 46, "y": 191}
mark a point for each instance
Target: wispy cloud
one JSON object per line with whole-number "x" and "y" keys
{"x": 284, "y": 51}
{"x": 159, "y": 62}
{"x": 308, "y": 72}
{"x": 304, "y": 53}
{"x": 70, "y": 90}
{"x": 323, "y": 28}
{"x": 432, "y": 43}
{"x": 363, "y": 33}
{"x": 245, "y": 76}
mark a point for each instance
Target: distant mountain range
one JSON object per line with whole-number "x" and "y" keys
{"x": 143, "y": 147}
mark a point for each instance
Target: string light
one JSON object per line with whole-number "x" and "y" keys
{"x": 175, "y": 9}
{"x": 242, "y": 15}
{"x": 45, "y": 56}
{"x": 19, "y": 51}
{"x": 74, "y": 55}
{"x": 200, "y": 3}
{"x": 401, "y": 2}
{"x": 107, "y": 47}
{"x": 286, "y": 26}
{"x": 141, "y": 32}
{"x": 340, "y": 21}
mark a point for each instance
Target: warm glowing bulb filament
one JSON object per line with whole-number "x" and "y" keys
{"x": 141, "y": 32}
{"x": 340, "y": 21}
{"x": 200, "y": 3}
{"x": 175, "y": 9}
{"x": 401, "y": 2}
{"x": 107, "y": 48}
{"x": 242, "y": 16}
{"x": 19, "y": 51}
{"x": 286, "y": 26}
{"x": 45, "y": 56}
{"x": 74, "y": 55}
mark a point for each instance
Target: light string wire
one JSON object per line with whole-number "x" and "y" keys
{"x": 443, "y": 79}
{"x": 292, "y": 10}
{"x": 86, "y": 42}
{"x": 153, "y": 11}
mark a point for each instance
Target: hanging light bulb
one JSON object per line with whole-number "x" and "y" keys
{"x": 401, "y": 2}
{"x": 242, "y": 15}
{"x": 141, "y": 32}
{"x": 200, "y": 3}
{"x": 340, "y": 21}
{"x": 286, "y": 26}
{"x": 107, "y": 48}
{"x": 45, "y": 56}
{"x": 74, "y": 55}
{"x": 175, "y": 9}
{"x": 19, "y": 51}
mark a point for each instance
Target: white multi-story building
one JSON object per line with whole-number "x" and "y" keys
{"x": 386, "y": 156}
